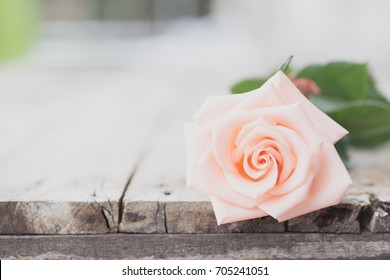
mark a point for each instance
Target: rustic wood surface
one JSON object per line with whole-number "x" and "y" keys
{"x": 198, "y": 246}
{"x": 89, "y": 160}
{"x": 68, "y": 156}
{"x": 95, "y": 144}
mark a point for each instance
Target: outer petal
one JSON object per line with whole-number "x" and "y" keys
{"x": 217, "y": 105}
{"x": 197, "y": 144}
{"x": 319, "y": 119}
{"x": 278, "y": 205}
{"x": 227, "y": 213}
{"x": 279, "y": 90}
{"x": 328, "y": 186}
{"x": 265, "y": 96}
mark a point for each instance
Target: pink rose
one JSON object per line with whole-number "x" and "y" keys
{"x": 266, "y": 152}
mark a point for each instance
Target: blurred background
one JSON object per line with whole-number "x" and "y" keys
{"x": 229, "y": 38}
{"x": 53, "y": 49}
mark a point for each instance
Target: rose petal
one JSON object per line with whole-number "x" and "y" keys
{"x": 224, "y": 134}
{"x": 258, "y": 134}
{"x": 255, "y": 174}
{"x": 328, "y": 186}
{"x": 279, "y": 205}
{"x": 303, "y": 137}
{"x": 213, "y": 181}
{"x": 265, "y": 96}
{"x": 279, "y": 90}
{"x": 254, "y": 189}
{"x": 275, "y": 153}
{"x": 258, "y": 130}
{"x": 304, "y": 166}
{"x": 263, "y": 151}
{"x": 197, "y": 148}
{"x": 196, "y": 145}
{"x": 217, "y": 105}
{"x": 226, "y": 212}
{"x": 287, "y": 90}
{"x": 292, "y": 115}
{"x": 260, "y": 122}
{"x": 298, "y": 127}
{"x": 198, "y": 139}
{"x": 203, "y": 172}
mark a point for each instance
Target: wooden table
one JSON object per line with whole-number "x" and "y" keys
{"x": 92, "y": 166}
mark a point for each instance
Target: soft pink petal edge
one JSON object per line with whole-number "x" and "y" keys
{"x": 193, "y": 136}
{"x": 328, "y": 187}
{"x": 226, "y": 212}
{"x": 289, "y": 92}
{"x": 215, "y": 106}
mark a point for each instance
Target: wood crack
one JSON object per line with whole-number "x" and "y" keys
{"x": 376, "y": 217}
{"x": 157, "y": 215}
{"x": 108, "y": 215}
{"x": 165, "y": 219}
{"x": 120, "y": 201}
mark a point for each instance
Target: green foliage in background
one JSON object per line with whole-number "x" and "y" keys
{"x": 349, "y": 96}
{"x": 18, "y": 22}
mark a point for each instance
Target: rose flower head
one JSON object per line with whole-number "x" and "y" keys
{"x": 266, "y": 152}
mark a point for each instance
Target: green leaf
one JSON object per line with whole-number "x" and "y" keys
{"x": 372, "y": 92}
{"x": 368, "y": 122}
{"x": 247, "y": 85}
{"x": 341, "y": 147}
{"x": 325, "y": 104}
{"x": 343, "y": 81}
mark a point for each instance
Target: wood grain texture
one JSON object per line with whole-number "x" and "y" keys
{"x": 377, "y": 185}
{"x": 68, "y": 160}
{"x": 198, "y": 246}
{"x": 48, "y": 217}
{"x": 66, "y": 156}
{"x": 342, "y": 218}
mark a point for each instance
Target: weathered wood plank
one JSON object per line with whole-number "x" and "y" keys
{"x": 65, "y": 162}
{"x": 342, "y": 218}
{"x": 49, "y": 217}
{"x": 159, "y": 177}
{"x": 65, "y": 169}
{"x": 376, "y": 183}
{"x": 198, "y": 246}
